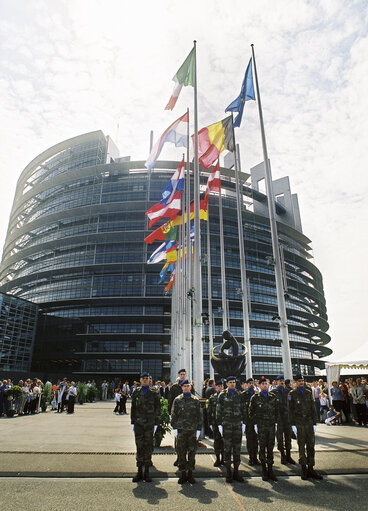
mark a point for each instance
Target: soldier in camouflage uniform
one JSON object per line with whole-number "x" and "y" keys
{"x": 252, "y": 438}
{"x": 144, "y": 415}
{"x": 283, "y": 433}
{"x": 186, "y": 421}
{"x": 231, "y": 417}
{"x": 218, "y": 443}
{"x": 263, "y": 414}
{"x": 303, "y": 417}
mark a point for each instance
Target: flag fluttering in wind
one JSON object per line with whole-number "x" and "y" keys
{"x": 175, "y": 133}
{"x": 166, "y": 232}
{"x": 172, "y": 254}
{"x": 166, "y": 267}
{"x": 184, "y": 76}
{"x": 159, "y": 210}
{"x": 246, "y": 94}
{"x": 160, "y": 253}
{"x": 176, "y": 183}
{"x": 214, "y": 180}
{"x": 171, "y": 282}
{"x": 214, "y": 139}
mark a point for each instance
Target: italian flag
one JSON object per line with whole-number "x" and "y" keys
{"x": 184, "y": 76}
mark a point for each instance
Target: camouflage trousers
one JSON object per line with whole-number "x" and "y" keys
{"x": 305, "y": 439}
{"x": 252, "y": 440}
{"x": 283, "y": 435}
{"x": 186, "y": 447}
{"x": 144, "y": 443}
{"x": 266, "y": 440}
{"x": 218, "y": 442}
{"x": 232, "y": 443}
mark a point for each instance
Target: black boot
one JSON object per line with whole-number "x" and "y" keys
{"x": 283, "y": 457}
{"x": 304, "y": 475}
{"x": 146, "y": 475}
{"x": 217, "y": 462}
{"x": 176, "y": 462}
{"x": 236, "y": 475}
{"x": 251, "y": 461}
{"x": 264, "y": 472}
{"x": 183, "y": 477}
{"x": 289, "y": 459}
{"x": 229, "y": 475}
{"x": 271, "y": 474}
{"x": 139, "y": 476}
{"x": 190, "y": 477}
{"x": 313, "y": 474}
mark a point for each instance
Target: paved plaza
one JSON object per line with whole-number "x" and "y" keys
{"x": 85, "y": 461}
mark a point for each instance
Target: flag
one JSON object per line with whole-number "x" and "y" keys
{"x": 166, "y": 232}
{"x": 172, "y": 254}
{"x": 214, "y": 180}
{"x": 166, "y": 267}
{"x": 214, "y": 139}
{"x": 246, "y": 93}
{"x": 184, "y": 76}
{"x": 175, "y": 133}
{"x": 176, "y": 183}
{"x": 160, "y": 253}
{"x": 171, "y": 282}
{"x": 159, "y": 210}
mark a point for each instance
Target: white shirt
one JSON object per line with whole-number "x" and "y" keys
{"x": 72, "y": 391}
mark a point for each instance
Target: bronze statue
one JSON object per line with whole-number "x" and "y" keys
{"x": 228, "y": 365}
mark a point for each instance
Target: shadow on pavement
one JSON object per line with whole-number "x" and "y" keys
{"x": 150, "y": 493}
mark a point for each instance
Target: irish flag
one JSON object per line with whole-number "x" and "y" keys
{"x": 184, "y": 76}
{"x": 214, "y": 139}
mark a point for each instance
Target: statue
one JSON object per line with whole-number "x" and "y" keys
{"x": 228, "y": 365}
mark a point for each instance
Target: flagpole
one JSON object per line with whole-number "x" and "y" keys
{"x": 222, "y": 256}
{"x": 243, "y": 271}
{"x": 188, "y": 262}
{"x": 197, "y": 284}
{"x": 209, "y": 291}
{"x": 284, "y": 334}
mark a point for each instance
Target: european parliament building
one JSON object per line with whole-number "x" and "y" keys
{"x": 75, "y": 248}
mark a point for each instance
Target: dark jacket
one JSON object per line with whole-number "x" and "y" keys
{"x": 263, "y": 410}
{"x": 230, "y": 410}
{"x": 186, "y": 413}
{"x": 145, "y": 408}
{"x": 301, "y": 407}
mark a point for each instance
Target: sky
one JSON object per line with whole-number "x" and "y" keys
{"x": 68, "y": 67}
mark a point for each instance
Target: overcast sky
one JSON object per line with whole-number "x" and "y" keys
{"x": 70, "y": 67}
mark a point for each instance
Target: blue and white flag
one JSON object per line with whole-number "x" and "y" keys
{"x": 246, "y": 93}
{"x": 160, "y": 253}
{"x": 176, "y": 183}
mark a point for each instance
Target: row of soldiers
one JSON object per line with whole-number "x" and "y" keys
{"x": 260, "y": 414}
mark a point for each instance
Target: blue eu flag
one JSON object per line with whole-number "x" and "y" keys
{"x": 246, "y": 93}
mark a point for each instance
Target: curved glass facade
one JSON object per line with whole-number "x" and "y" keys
{"x": 75, "y": 246}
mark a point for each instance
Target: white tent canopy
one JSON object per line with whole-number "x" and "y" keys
{"x": 333, "y": 369}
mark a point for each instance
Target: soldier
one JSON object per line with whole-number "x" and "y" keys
{"x": 303, "y": 417}
{"x": 252, "y": 438}
{"x": 175, "y": 391}
{"x": 283, "y": 433}
{"x": 218, "y": 443}
{"x": 186, "y": 421}
{"x": 263, "y": 415}
{"x": 145, "y": 412}
{"x": 231, "y": 417}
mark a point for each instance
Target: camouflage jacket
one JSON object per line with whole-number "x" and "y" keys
{"x": 282, "y": 403}
{"x": 263, "y": 411}
{"x": 230, "y": 409}
{"x": 175, "y": 391}
{"x": 246, "y": 395}
{"x": 186, "y": 413}
{"x": 211, "y": 409}
{"x": 301, "y": 407}
{"x": 145, "y": 408}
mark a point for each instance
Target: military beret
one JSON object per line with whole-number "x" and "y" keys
{"x": 249, "y": 380}
{"x": 184, "y": 382}
{"x": 145, "y": 375}
{"x": 230, "y": 378}
{"x": 262, "y": 379}
{"x": 219, "y": 382}
{"x": 298, "y": 377}
{"x": 182, "y": 371}
{"x": 280, "y": 377}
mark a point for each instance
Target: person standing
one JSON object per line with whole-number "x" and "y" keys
{"x": 358, "y": 396}
{"x": 264, "y": 415}
{"x": 72, "y": 394}
{"x": 144, "y": 417}
{"x": 186, "y": 421}
{"x": 251, "y": 436}
{"x": 175, "y": 391}
{"x": 117, "y": 400}
{"x": 104, "y": 387}
{"x": 283, "y": 431}
{"x": 218, "y": 443}
{"x": 124, "y": 397}
{"x": 231, "y": 418}
{"x": 303, "y": 418}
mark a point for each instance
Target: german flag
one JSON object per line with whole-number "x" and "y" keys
{"x": 214, "y": 139}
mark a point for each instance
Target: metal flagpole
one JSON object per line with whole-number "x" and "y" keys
{"x": 222, "y": 255}
{"x": 284, "y": 334}
{"x": 209, "y": 291}
{"x": 188, "y": 262}
{"x": 243, "y": 271}
{"x": 197, "y": 284}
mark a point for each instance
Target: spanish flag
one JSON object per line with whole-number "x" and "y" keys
{"x": 214, "y": 139}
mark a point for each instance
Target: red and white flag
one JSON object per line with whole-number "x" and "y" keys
{"x": 170, "y": 210}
